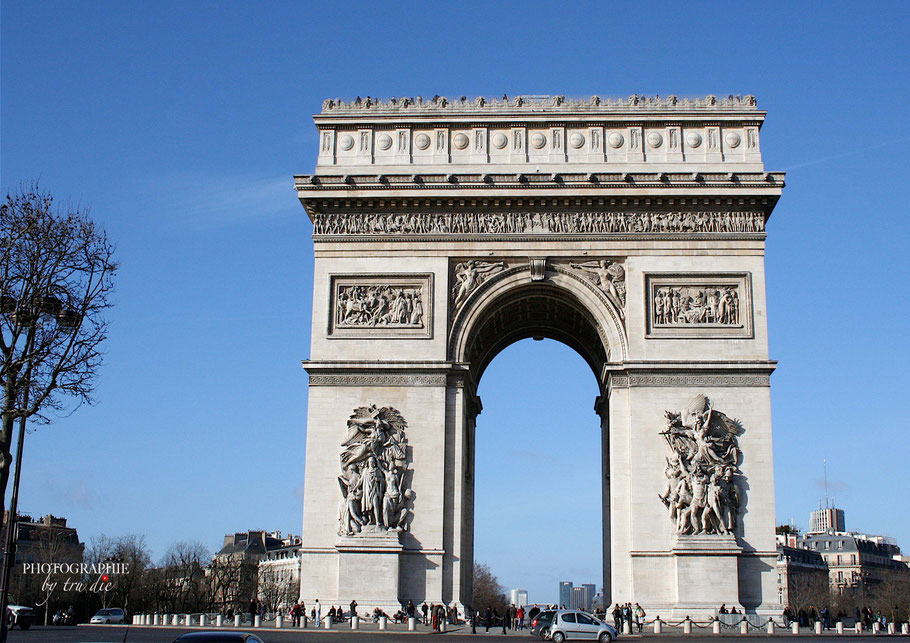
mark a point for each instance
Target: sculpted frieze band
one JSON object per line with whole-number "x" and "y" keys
{"x": 463, "y": 223}
{"x": 703, "y": 493}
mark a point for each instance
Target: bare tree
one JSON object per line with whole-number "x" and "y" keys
{"x": 56, "y": 277}
{"x": 234, "y": 581}
{"x": 128, "y": 590}
{"x": 185, "y": 583}
{"x": 276, "y": 590}
{"x": 487, "y": 590}
{"x": 807, "y": 589}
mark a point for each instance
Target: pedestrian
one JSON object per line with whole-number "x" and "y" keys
{"x": 617, "y": 618}
{"x": 353, "y": 609}
{"x": 639, "y": 616}
{"x": 487, "y": 617}
{"x": 505, "y": 620}
{"x": 425, "y": 609}
{"x": 521, "y": 617}
{"x": 253, "y": 610}
{"x": 317, "y": 617}
{"x": 471, "y": 613}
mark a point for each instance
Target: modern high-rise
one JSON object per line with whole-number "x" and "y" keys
{"x": 590, "y": 592}
{"x": 518, "y": 597}
{"x": 565, "y": 593}
{"x": 821, "y": 520}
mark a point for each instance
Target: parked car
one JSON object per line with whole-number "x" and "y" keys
{"x": 109, "y": 615}
{"x": 570, "y": 624}
{"x": 19, "y": 615}
{"x": 540, "y": 624}
{"x": 218, "y": 637}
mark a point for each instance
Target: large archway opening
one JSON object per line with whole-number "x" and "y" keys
{"x": 538, "y": 494}
{"x": 495, "y": 321}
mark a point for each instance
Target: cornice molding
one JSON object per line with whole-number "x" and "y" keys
{"x": 316, "y": 183}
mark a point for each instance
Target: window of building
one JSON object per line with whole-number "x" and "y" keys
{"x": 838, "y": 559}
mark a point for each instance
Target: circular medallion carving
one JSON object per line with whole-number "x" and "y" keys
{"x": 346, "y": 142}
{"x": 422, "y": 141}
{"x": 693, "y": 139}
{"x": 384, "y": 141}
{"x": 655, "y": 139}
{"x": 499, "y": 140}
{"x": 615, "y": 140}
{"x": 576, "y": 140}
{"x": 732, "y": 139}
{"x": 538, "y": 140}
{"x": 460, "y": 141}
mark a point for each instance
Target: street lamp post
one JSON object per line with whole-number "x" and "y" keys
{"x": 26, "y": 317}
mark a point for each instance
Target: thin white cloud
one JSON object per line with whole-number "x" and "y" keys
{"x": 834, "y": 157}
{"x": 203, "y": 201}
{"x": 74, "y": 493}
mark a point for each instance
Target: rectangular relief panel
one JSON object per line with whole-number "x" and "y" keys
{"x": 704, "y": 305}
{"x": 381, "y": 306}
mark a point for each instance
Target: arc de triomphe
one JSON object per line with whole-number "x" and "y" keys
{"x": 633, "y": 231}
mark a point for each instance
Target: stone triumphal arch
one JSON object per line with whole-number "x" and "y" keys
{"x": 632, "y": 230}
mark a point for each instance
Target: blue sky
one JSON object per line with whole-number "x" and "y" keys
{"x": 181, "y": 124}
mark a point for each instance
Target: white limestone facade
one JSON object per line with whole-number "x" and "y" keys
{"x": 632, "y": 230}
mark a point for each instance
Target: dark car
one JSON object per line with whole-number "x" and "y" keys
{"x": 540, "y": 624}
{"x": 218, "y": 637}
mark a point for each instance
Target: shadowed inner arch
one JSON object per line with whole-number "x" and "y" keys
{"x": 539, "y": 311}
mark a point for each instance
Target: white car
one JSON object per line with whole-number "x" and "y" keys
{"x": 570, "y": 624}
{"x": 109, "y": 615}
{"x": 19, "y": 615}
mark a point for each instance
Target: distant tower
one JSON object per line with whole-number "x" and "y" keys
{"x": 822, "y": 520}
{"x": 518, "y": 597}
{"x": 565, "y": 593}
{"x": 590, "y": 592}
{"x": 828, "y": 517}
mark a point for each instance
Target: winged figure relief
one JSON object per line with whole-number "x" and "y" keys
{"x": 702, "y": 493}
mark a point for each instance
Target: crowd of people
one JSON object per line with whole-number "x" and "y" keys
{"x": 627, "y": 617}
{"x": 633, "y": 617}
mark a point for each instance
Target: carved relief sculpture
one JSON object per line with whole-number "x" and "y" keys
{"x": 469, "y": 275}
{"x": 373, "y": 480}
{"x": 500, "y": 223}
{"x": 379, "y": 305}
{"x": 609, "y": 276}
{"x": 687, "y": 306}
{"x": 702, "y": 493}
